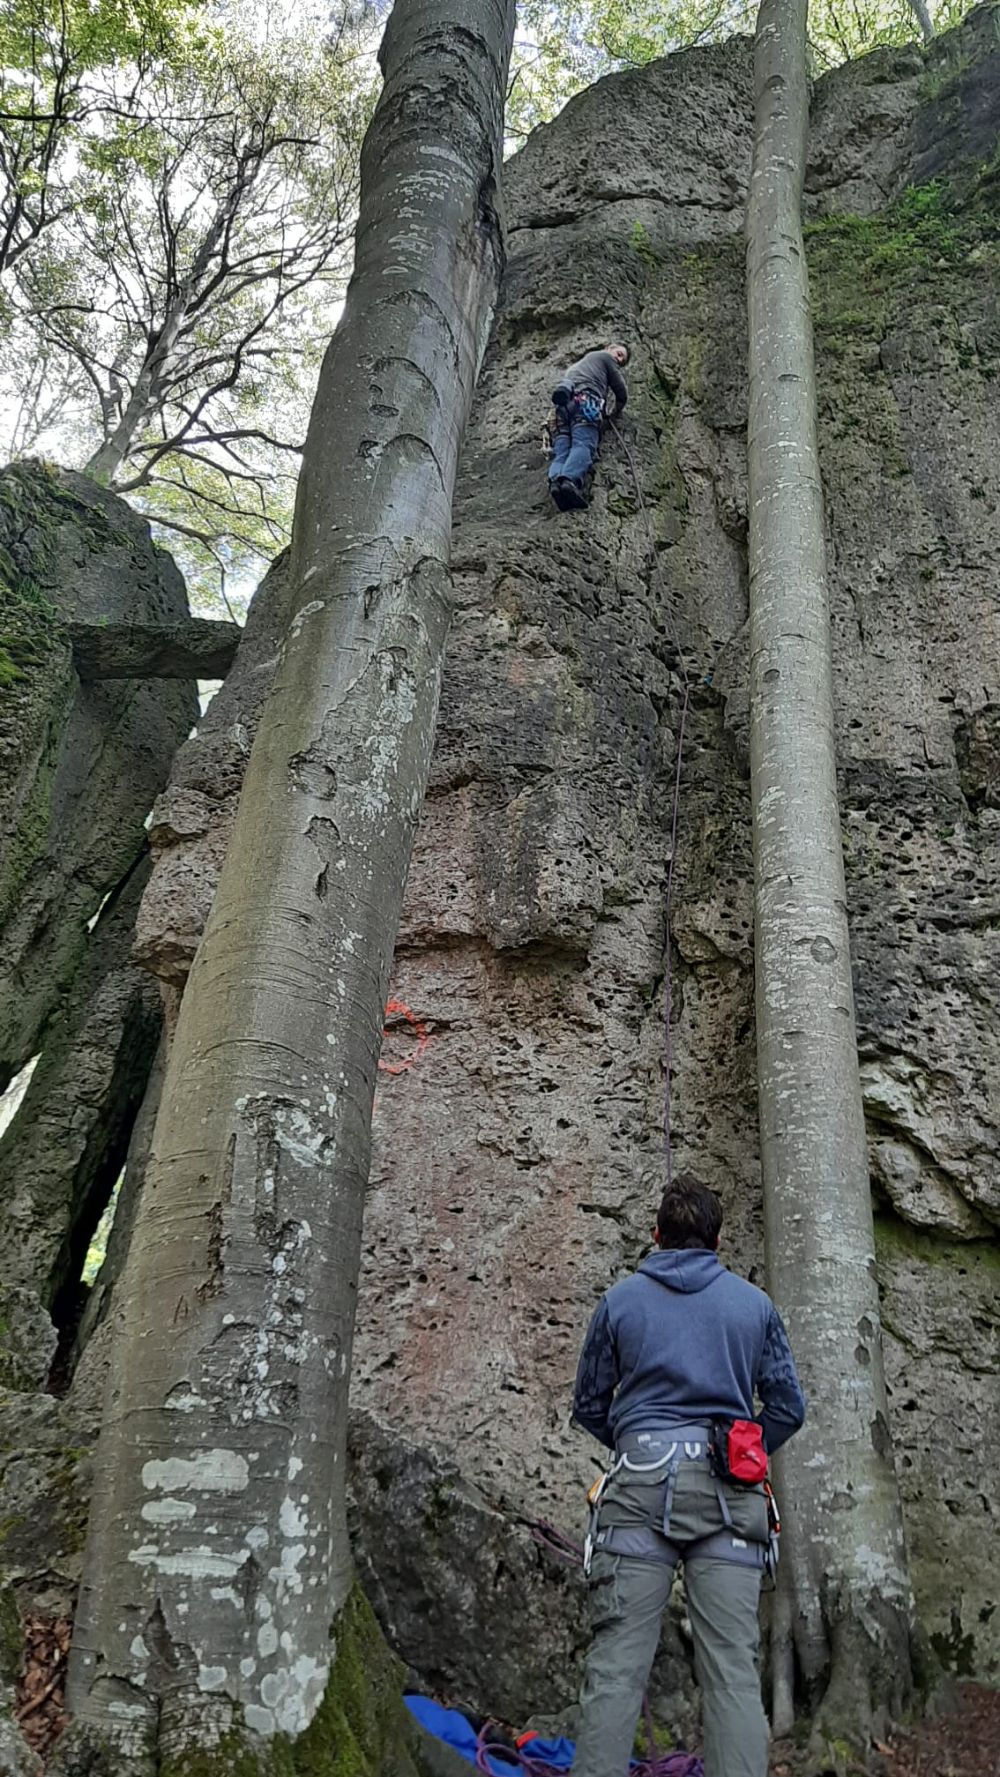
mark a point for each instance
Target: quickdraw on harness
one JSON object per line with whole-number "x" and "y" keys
{"x": 649, "y": 1542}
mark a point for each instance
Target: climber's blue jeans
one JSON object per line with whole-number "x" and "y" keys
{"x": 573, "y": 457}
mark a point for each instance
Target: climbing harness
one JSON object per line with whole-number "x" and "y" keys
{"x": 654, "y": 1542}
{"x": 569, "y": 402}
{"x": 675, "y": 810}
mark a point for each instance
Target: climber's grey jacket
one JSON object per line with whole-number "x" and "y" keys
{"x": 594, "y": 374}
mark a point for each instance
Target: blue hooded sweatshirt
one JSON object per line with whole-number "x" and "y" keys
{"x": 683, "y": 1341}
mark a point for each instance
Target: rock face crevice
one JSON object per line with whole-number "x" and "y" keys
{"x": 518, "y": 1125}
{"x": 81, "y": 764}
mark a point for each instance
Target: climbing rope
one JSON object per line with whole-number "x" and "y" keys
{"x": 675, "y": 810}
{"x": 494, "y": 1756}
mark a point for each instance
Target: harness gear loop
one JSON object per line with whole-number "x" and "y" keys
{"x": 652, "y": 1542}
{"x": 594, "y": 1497}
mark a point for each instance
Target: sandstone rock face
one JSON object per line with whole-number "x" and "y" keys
{"x": 79, "y": 767}
{"x": 519, "y": 1118}
{"x": 81, "y": 764}
{"x": 517, "y": 1159}
{"x": 193, "y": 817}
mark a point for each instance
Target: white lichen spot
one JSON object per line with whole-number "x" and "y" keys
{"x": 295, "y": 1466}
{"x": 248, "y": 1667}
{"x": 126, "y": 1711}
{"x": 260, "y": 1721}
{"x": 306, "y": 611}
{"x": 199, "y": 1563}
{"x": 267, "y": 1640}
{"x": 286, "y": 1575}
{"x": 257, "y": 1537}
{"x": 292, "y": 1521}
{"x": 211, "y": 1471}
{"x": 302, "y": 1694}
{"x": 226, "y": 1595}
{"x": 273, "y": 1687}
{"x": 211, "y": 1678}
{"x": 183, "y": 1400}
{"x": 168, "y": 1511}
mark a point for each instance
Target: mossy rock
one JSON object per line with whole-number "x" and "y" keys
{"x": 361, "y": 1729}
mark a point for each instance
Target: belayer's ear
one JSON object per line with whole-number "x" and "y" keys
{"x": 656, "y": 1236}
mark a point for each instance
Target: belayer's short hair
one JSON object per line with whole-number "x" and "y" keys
{"x": 690, "y": 1215}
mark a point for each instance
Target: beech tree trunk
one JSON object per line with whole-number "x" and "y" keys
{"x": 851, "y": 1608}
{"x": 218, "y": 1556}
{"x": 921, "y": 13}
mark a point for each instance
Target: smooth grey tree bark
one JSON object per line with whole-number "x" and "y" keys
{"x": 848, "y": 1603}
{"x": 218, "y": 1557}
{"x": 921, "y": 13}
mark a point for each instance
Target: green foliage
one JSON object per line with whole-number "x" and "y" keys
{"x": 98, "y": 1248}
{"x": 919, "y": 230}
{"x": 663, "y": 1740}
{"x": 180, "y": 230}
{"x": 641, "y": 244}
{"x": 564, "y": 45}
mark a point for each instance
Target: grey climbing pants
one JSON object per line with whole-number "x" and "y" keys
{"x": 628, "y": 1596}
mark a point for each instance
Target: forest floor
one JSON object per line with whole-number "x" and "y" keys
{"x": 965, "y": 1742}
{"x": 962, "y": 1741}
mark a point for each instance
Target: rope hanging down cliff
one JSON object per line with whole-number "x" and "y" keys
{"x": 675, "y": 807}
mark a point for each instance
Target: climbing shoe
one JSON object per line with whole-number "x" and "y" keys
{"x": 568, "y": 495}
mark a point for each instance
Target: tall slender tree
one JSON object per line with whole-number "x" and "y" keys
{"x": 218, "y": 1555}
{"x": 850, "y": 1602}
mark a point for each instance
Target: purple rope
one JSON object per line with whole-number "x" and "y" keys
{"x": 549, "y": 1537}
{"x": 668, "y": 991}
{"x": 514, "y": 1759}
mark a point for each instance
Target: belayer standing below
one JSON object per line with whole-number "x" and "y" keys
{"x": 672, "y": 1361}
{"x": 580, "y": 401}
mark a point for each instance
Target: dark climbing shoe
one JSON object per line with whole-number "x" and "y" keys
{"x": 568, "y": 495}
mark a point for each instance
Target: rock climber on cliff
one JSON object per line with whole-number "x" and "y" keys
{"x": 580, "y": 400}
{"x": 672, "y": 1361}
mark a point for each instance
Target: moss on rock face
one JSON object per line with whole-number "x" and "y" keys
{"x": 859, "y": 264}
{"x": 361, "y": 1729}
{"x": 35, "y": 674}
